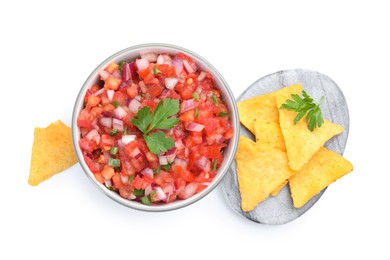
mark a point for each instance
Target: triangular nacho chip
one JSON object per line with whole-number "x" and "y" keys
{"x": 52, "y": 152}
{"x": 277, "y": 190}
{"x": 260, "y": 170}
{"x": 324, "y": 168}
{"x": 263, "y": 107}
{"x": 301, "y": 143}
{"x": 269, "y": 133}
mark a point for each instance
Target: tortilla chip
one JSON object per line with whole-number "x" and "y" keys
{"x": 269, "y": 133}
{"x": 260, "y": 170}
{"x": 52, "y": 152}
{"x": 301, "y": 143}
{"x": 263, "y": 107}
{"x": 324, "y": 168}
{"x": 277, "y": 190}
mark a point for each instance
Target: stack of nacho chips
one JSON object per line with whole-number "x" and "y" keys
{"x": 284, "y": 152}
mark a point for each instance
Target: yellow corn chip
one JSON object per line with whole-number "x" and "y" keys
{"x": 301, "y": 143}
{"x": 269, "y": 133}
{"x": 260, "y": 170}
{"x": 52, "y": 152}
{"x": 263, "y": 107}
{"x": 277, "y": 190}
{"x": 324, "y": 168}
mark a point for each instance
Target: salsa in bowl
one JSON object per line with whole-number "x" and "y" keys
{"x": 154, "y": 127}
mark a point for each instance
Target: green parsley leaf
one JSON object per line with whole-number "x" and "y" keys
{"x": 305, "y": 105}
{"x": 143, "y": 119}
{"x": 158, "y": 142}
{"x": 146, "y": 121}
{"x": 162, "y": 113}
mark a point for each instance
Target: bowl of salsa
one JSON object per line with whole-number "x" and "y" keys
{"x": 155, "y": 127}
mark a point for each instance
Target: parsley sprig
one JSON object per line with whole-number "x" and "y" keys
{"x": 305, "y": 105}
{"x": 162, "y": 119}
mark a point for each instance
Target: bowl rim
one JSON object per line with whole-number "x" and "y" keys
{"x": 177, "y": 204}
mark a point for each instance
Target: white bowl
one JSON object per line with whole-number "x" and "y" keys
{"x": 132, "y": 53}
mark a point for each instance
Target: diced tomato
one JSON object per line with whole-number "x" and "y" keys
{"x": 229, "y": 133}
{"x": 151, "y": 79}
{"x": 143, "y": 73}
{"x": 117, "y": 181}
{"x": 182, "y": 173}
{"x": 154, "y": 90}
{"x": 212, "y": 151}
{"x": 87, "y": 145}
{"x": 85, "y": 119}
{"x": 211, "y": 126}
{"x": 93, "y": 101}
{"x": 92, "y": 165}
{"x": 187, "y": 116}
{"x": 112, "y": 67}
{"x": 173, "y": 95}
{"x": 120, "y": 97}
{"x": 99, "y": 177}
{"x": 163, "y": 177}
{"x": 112, "y": 83}
{"x": 126, "y": 191}
{"x": 132, "y": 91}
{"x": 106, "y": 142}
{"x": 137, "y": 182}
{"x": 150, "y": 103}
{"x": 107, "y": 172}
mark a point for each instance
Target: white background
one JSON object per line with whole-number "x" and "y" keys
{"x": 49, "y": 48}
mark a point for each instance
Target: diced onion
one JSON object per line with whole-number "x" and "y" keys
{"x": 142, "y": 64}
{"x": 188, "y": 67}
{"x": 181, "y": 162}
{"x": 106, "y": 121}
{"x": 127, "y": 139}
{"x": 149, "y": 56}
{"x": 203, "y": 163}
{"x": 136, "y": 153}
{"x": 110, "y": 94}
{"x": 100, "y": 91}
{"x": 104, "y": 75}
{"x": 134, "y": 105}
{"x": 108, "y": 183}
{"x": 120, "y": 112}
{"x": 170, "y": 83}
{"x": 202, "y": 76}
{"x": 171, "y": 154}
{"x": 163, "y": 160}
{"x": 187, "y": 105}
{"x": 124, "y": 179}
{"x": 117, "y": 124}
{"x": 179, "y": 144}
{"x": 148, "y": 189}
{"x": 93, "y": 135}
{"x": 160, "y": 194}
{"x": 194, "y": 127}
{"x": 147, "y": 172}
{"x": 178, "y": 63}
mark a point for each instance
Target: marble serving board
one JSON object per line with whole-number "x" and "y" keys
{"x": 279, "y": 209}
